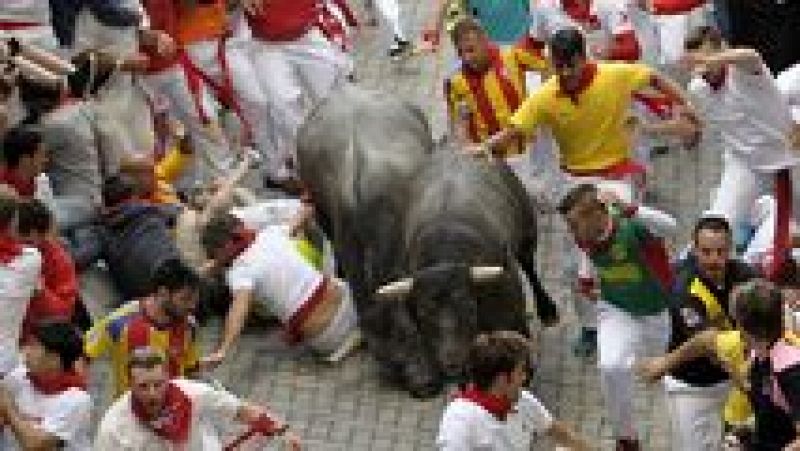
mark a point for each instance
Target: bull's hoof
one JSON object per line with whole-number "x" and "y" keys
{"x": 425, "y": 391}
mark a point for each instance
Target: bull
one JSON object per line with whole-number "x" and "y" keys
{"x": 429, "y": 250}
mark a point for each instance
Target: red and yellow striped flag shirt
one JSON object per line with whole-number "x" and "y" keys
{"x": 491, "y": 97}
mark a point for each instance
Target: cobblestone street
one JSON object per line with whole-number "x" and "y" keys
{"x": 347, "y": 407}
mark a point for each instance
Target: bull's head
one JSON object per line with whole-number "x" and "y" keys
{"x": 443, "y": 301}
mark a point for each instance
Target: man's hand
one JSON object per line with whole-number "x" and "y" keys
{"x": 794, "y": 446}
{"x": 162, "y": 43}
{"x": 430, "y": 39}
{"x": 651, "y": 370}
{"x": 212, "y": 361}
{"x": 292, "y": 441}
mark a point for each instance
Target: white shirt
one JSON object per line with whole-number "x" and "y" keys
{"x": 466, "y": 426}
{"x": 548, "y": 16}
{"x": 120, "y": 430}
{"x": 37, "y": 11}
{"x": 788, "y": 83}
{"x": 281, "y": 279}
{"x": 752, "y": 118}
{"x": 18, "y": 280}
{"x": 67, "y": 415}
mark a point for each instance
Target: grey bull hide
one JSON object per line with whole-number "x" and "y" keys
{"x": 366, "y": 158}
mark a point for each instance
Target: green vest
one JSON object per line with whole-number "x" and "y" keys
{"x": 626, "y": 278}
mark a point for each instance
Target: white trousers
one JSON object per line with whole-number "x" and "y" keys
{"x": 695, "y": 415}
{"x": 389, "y": 10}
{"x": 673, "y": 29}
{"x": 735, "y": 198}
{"x": 212, "y": 150}
{"x": 622, "y": 339}
{"x": 294, "y": 76}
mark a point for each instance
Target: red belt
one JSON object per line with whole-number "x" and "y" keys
{"x": 11, "y": 25}
{"x": 293, "y": 329}
{"x": 614, "y": 172}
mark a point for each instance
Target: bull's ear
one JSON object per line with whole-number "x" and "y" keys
{"x": 395, "y": 289}
{"x": 486, "y": 273}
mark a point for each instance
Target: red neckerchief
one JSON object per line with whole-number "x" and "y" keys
{"x": 139, "y": 336}
{"x": 498, "y": 406}
{"x": 57, "y": 381}
{"x": 175, "y": 419}
{"x": 23, "y": 187}
{"x": 717, "y": 82}
{"x": 10, "y": 248}
{"x": 241, "y": 239}
{"x": 581, "y": 12}
{"x": 587, "y": 76}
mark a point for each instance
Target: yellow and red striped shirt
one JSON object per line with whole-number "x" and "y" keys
{"x": 491, "y": 97}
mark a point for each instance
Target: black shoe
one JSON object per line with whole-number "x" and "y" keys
{"x": 400, "y": 48}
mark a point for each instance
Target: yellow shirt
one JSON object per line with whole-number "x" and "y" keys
{"x": 491, "y": 98}
{"x": 591, "y": 134}
{"x": 730, "y": 350}
{"x": 168, "y": 169}
{"x": 112, "y": 336}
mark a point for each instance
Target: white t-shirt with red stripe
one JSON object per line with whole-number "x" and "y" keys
{"x": 466, "y": 426}
{"x": 280, "y": 278}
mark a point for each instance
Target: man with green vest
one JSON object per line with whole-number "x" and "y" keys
{"x": 697, "y": 390}
{"x": 625, "y": 244}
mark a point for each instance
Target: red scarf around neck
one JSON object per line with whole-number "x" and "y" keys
{"x": 174, "y": 421}
{"x": 498, "y": 406}
{"x": 57, "y": 382}
{"x": 10, "y": 248}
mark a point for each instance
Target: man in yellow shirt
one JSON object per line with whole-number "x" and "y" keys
{"x": 162, "y": 320}
{"x": 586, "y": 106}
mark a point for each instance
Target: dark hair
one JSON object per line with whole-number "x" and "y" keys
{"x": 567, "y": 43}
{"x": 146, "y": 357}
{"x": 119, "y": 188}
{"x": 61, "y": 338}
{"x": 218, "y": 231}
{"x": 174, "y": 275}
{"x": 700, "y": 35}
{"x": 712, "y": 223}
{"x": 463, "y": 26}
{"x": 38, "y": 98}
{"x": 20, "y": 141}
{"x": 33, "y": 216}
{"x": 576, "y": 195}
{"x": 8, "y": 210}
{"x": 496, "y": 353}
{"x": 788, "y": 274}
{"x": 757, "y": 308}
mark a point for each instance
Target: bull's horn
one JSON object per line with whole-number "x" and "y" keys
{"x": 485, "y": 273}
{"x": 396, "y": 288}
